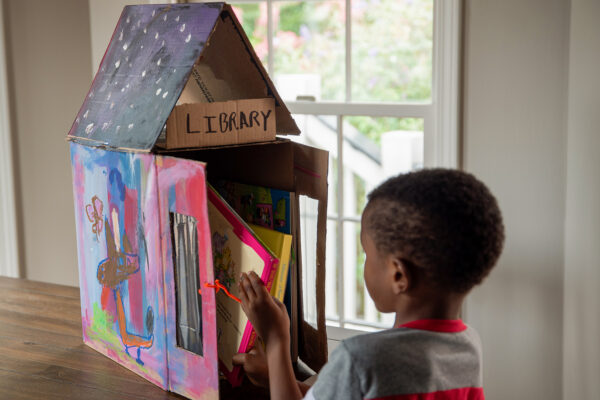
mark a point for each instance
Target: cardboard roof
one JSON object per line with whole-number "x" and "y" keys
{"x": 160, "y": 55}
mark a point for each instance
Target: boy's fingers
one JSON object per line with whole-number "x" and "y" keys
{"x": 239, "y": 359}
{"x": 243, "y": 296}
{"x": 257, "y": 284}
{"x": 247, "y": 287}
{"x": 279, "y": 304}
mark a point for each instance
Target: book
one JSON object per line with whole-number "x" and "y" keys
{"x": 275, "y": 209}
{"x": 281, "y": 245}
{"x": 235, "y": 249}
{"x": 258, "y": 205}
{"x": 291, "y": 295}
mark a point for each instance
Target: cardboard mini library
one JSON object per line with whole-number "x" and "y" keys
{"x": 181, "y": 183}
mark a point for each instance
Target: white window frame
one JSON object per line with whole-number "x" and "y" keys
{"x": 440, "y": 116}
{"x": 9, "y": 259}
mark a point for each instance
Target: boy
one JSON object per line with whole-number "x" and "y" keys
{"x": 429, "y": 237}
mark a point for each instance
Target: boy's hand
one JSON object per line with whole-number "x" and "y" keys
{"x": 255, "y": 365}
{"x": 267, "y": 314}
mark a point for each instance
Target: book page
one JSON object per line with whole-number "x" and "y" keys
{"x": 231, "y": 257}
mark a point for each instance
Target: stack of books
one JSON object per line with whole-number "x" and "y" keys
{"x": 251, "y": 230}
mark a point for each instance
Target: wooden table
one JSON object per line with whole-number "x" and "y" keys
{"x": 42, "y": 355}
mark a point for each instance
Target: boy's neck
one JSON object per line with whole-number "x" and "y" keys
{"x": 432, "y": 306}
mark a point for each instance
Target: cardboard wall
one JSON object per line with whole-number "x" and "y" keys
{"x": 293, "y": 167}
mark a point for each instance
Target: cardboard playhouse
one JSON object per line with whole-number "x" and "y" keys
{"x": 180, "y": 99}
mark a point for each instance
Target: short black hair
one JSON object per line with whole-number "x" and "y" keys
{"x": 442, "y": 221}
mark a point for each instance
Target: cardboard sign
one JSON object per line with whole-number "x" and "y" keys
{"x": 221, "y": 123}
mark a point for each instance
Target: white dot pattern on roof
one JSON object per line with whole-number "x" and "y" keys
{"x": 132, "y": 58}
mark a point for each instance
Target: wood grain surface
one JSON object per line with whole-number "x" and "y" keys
{"x": 42, "y": 355}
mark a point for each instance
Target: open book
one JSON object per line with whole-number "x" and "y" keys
{"x": 281, "y": 245}
{"x": 236, "y": 249}
{"x": 271, "y": 208}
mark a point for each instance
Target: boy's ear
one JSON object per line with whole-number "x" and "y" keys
{"x": 402, "y": 279}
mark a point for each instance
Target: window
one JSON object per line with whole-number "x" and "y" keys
{"x": 374, "y": 82}
{"x": 184, "y": 235}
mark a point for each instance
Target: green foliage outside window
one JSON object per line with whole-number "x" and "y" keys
{"x": 391, "y": 51}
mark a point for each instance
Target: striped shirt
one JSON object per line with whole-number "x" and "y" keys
{"x": 421, "y": 360}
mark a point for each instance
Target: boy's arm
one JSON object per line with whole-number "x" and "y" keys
{"x": 303, "y": 387}
{"x": 255, "y": 365}
{"x": 282, "y": 382}
{"x": 270, "y": 320}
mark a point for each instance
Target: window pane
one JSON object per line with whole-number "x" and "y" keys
{"x": 309, "y": 50}
{"x": 253, "y": 17}
{"x": 321, "y": 131}
{"x": 354, "y": 260}
{"x": 187, "y": 282}
{"x": 332, "y": 286}
{"x": 391, "y": 50}
{"x": 308, "y": 247}
{"x": 374, "y": 150}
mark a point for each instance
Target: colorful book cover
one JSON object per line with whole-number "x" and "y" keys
{"x": 258, "y": 205}
{"x": 281, "y": 245}
{"x": 235, "y": 250}
{"x": 270, "y": 208}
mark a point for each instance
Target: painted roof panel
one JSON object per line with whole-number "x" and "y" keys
{"x": 143, "y": 72}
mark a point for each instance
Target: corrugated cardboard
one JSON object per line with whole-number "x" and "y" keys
{"x": 229, "y": 69}
{"x": 202, "y": 48}
{"x": 296, "y": 168}
{"x": 221, "y": 123}
{"x": 187, "y": 53}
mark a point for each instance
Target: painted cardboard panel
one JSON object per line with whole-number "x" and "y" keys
{"x": 182, "y": 190}
{"x": 120, "y": 271}
{"x": 143, "y": 72}
{"x": 155, "y": 52}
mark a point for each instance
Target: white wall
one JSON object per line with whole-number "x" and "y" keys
{"x": 582, "y": 241}
{"x": 103, "y": 19}
{"x": 50, "y": 68}
{"x": 9, "y": 252}
{"x": 514, "y": 126}
{"x": 48, "y": 57}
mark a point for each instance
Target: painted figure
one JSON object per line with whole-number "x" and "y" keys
{"x": 120, "y": 264}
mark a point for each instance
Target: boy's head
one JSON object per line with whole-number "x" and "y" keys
{"x": 444, "y": 227}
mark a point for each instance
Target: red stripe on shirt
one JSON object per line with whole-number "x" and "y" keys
{"x": 437, "y": 325}
{"x": 454, "y": 394}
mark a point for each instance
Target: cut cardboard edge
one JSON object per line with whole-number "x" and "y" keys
{"x": 103, "y": 145}
{"x": 164, "y": 151}
{"x": 310, "y": 170}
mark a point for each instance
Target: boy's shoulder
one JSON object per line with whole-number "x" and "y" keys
{"x": 403, "y": 361}
{"x": 414, "y": 336}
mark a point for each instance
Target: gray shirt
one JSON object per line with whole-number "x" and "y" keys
{"x": 438, "y": 356}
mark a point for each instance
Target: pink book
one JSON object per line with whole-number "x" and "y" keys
{"x": 235, "y": 249}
